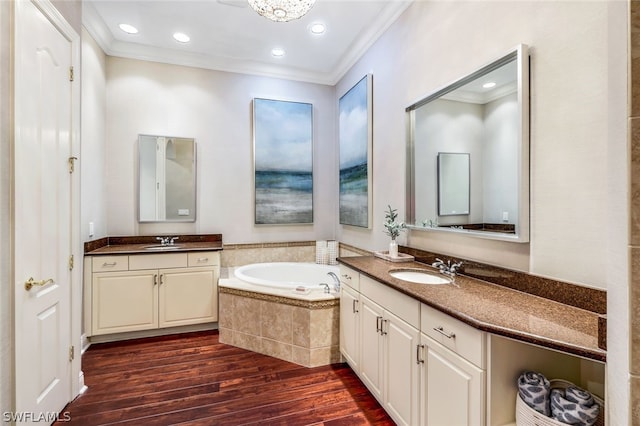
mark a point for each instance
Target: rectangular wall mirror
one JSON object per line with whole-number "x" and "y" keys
{"x": 468, "y": 153}
{"x": 166, "y": 179}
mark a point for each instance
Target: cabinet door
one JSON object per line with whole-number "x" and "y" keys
{"x": 454, "y": 388}
{"x": 400, "y": 368}
{"x": 371, "y": 346}
{"x": 349, "y": 326}
{"x": 188, "y": 296}
{"x": 124, "y": 301}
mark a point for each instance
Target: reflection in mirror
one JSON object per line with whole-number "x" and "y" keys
{"x": 166, "y": 179}
{"x": 468, "y": 154}
{"x": 453, "y": 184}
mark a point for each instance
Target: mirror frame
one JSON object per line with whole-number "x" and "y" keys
{"x": 191, "y": 218}
{"x": 521, "y": 55}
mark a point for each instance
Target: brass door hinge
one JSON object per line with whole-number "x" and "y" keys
{"x": 71, "y": 161}
{"x": 71, "y": 262}
{"x": 71, "y": 73}
{"x": 72, "y": 353}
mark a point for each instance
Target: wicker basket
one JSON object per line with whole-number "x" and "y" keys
{"x": 527, "y": 416}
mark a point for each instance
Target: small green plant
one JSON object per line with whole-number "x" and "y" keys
{"x": 392, "y": 227}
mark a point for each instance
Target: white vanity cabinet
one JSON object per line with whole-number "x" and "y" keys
{"x": 386, "y": 343}
{"x": 453, "y": 370}
{"x": 149, "y": 291}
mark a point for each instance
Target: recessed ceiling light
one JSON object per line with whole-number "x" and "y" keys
{"x": 489, "y": 85}
{"x": 181, "y": 37}
{"x": 129, "y": 29}
{"x": 317, "y": 28}
{"x": 278, "y": 52}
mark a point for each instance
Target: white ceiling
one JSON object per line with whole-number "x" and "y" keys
{"x": 228, "y": 35}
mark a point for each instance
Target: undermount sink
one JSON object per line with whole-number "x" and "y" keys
{"x": 420, "y": 277}
{"x": 160, "y": 247}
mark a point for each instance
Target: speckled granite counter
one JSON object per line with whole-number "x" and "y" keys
{"x": 496, "y": 309}
{"x": 139, "y": 244}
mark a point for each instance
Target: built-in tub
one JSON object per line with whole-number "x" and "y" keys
{"x": 281, "y": 309}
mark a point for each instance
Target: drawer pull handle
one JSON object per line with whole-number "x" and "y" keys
{"x": 444, "y": 333}
{"x": 346, "y": 277}
{"x": 354, "y": 308}
{"x": 418, "y": 359}
{"x": 202, "y": 259}
{"x": 109, "y": 264}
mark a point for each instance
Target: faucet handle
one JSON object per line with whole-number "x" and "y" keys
{"x": 172, "y": 239}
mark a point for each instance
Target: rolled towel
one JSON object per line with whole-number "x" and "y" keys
{"x": 534, "y": 390}
{"x": 574, "y": 406}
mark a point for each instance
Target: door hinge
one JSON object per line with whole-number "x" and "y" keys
{"x": 71, "y": 262}
{"x": 72, "y": 353}
{"x": 71, "y": 161}
{"x": 71, "y": 73}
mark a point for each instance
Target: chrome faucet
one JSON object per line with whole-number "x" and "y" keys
{"x": 167, "y": 241}
{"x": 336, "y": 281}
{"x": 448, "y": 268}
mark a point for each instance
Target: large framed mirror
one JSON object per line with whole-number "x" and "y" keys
{"x": 468, "y": 153}
{"x": 166, "y": 179}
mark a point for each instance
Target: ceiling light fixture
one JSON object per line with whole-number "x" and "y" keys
{"x": 489, "y": 85}
{"x": 278, "y": 52}
{"x": 317, "y": 28}
{"x": 181, "y": 37}
{"x": 129, "y": 29}
{"x": 281, "y": 10}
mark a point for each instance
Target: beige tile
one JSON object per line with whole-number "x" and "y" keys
{"x": 247, "y": 341}
{"x": 276, "y": 349}
{"x": 246, "y": 315}
{"x": 301, "y": 356}
{"x": 324, "y": 356}
{"x": 324, "y": 327}
{"x": 634, "y": 320}
{"x": 634, "y": 173}
{"x": 276, "y": 321}
{"x": 225, "y": 310}
{"x": 635, "y": 401}
{"x": 300, "y": 328}
{"x": 225, "y": 335}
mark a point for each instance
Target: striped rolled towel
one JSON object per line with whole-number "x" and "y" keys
{"x": 534, "y": 390}
{"x": 574, "y": 406}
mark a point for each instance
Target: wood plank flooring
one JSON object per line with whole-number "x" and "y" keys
{"x": 193, "y": 379}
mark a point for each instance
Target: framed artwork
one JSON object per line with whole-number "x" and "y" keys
{"x": 355, "y": 138}
{"x": 283, "y": 162}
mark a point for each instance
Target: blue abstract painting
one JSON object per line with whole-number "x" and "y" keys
{"x": 355, "y": 150}
{"x": 283, "y": 161}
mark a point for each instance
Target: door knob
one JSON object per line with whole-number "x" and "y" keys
{"x": 31, "y": 282}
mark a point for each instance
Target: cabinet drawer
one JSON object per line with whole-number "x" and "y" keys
{"x": 349, "y": 277}
{"x": 204, "y": 258}
{"x": 392, "y": 300}
{"x": 157, "y": 261}
{"x": 109, "y": 263}
{"x": 466, "y": 341}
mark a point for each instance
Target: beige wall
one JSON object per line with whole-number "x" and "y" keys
{"x": 214, "y": 108}
{"x": 634, "y": 234}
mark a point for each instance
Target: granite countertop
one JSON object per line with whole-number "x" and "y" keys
{"x": 496, "y": 309}
{"x": 138, "y": 244}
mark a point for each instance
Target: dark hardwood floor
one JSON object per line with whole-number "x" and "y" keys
{"x": 193, "y": 379}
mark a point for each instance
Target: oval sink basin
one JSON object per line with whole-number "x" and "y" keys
{"x": 159, "y": 247}
{"x": 419, "y": 277}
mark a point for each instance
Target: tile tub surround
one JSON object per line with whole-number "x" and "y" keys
{"x": 497, "y": 309}
{"x": 245, "y": 254}
{"x": 298, "y": 331}
{"x": 136, "y": 244}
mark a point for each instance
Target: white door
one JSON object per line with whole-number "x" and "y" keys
{"x": 42, "y": 215}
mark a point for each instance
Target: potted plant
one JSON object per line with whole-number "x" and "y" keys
{"x": 393, "y": 229}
